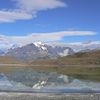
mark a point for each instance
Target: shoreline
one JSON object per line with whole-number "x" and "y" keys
{"x": 49, "y": 96}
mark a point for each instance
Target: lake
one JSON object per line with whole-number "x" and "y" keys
{"x": 31, "y": 81}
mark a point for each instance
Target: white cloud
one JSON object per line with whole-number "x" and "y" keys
{"x": 27, "y": 9}
{"x": 11, "y": 16}
{"x": 45, "y": 37}
{"x": 38, "y": 5}
{"x": 78, "y": 46}
{"x": 59, "y": 35}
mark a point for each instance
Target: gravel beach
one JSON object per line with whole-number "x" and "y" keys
{"x": 46, "y": 96}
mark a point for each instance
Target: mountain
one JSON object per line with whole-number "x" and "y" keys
{"x": 88, "y": 58}
{"x": 39, "y": 50}
{"x": 2, "y": 52}
{"x": 79, "y": 46}
{"x": 80, "y": 58}
{"x": 4, "y": 47}
{"x": 6, "y": 44}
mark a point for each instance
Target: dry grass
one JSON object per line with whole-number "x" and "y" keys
{"x": 9, "y": 60}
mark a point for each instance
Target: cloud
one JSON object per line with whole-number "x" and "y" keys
{"x": 77, "y": 46}
{"x": 38, "y": 5}
{"x": 28, "y": 9}
{"x": 45, "y": 37}
{"x": 11, "y": 16}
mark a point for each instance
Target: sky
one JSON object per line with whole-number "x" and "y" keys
{"x": 27, "y": 21}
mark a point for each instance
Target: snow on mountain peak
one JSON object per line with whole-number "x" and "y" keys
{"x": 40, "y": 45}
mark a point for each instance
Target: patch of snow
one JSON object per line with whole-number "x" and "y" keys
{"x": 40, "y": 45}
{"x": 65, "y": 53}
{"x": 44, "y": 48}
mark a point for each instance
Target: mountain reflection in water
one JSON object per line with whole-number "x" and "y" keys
{"x": 27, "y": 80}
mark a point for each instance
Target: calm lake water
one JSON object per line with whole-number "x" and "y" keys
{"x": 46, "y": 82}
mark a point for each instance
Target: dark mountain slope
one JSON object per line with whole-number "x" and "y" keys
{"x": 91, "y": 57}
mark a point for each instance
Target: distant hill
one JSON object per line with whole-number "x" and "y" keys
{"x": 91, "y": 57}
{"x": 2, "y": 52}
{"x": 80, "y": 58}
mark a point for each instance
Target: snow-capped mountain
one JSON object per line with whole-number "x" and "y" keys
{"x": 79, "y": 46}
{"x": 6, "y": 45}
{"x": 39, "y": 50}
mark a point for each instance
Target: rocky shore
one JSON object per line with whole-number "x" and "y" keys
{"x": 46, "y": 96}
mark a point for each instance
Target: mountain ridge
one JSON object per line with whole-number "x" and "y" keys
{"x": 39, "y": 51}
